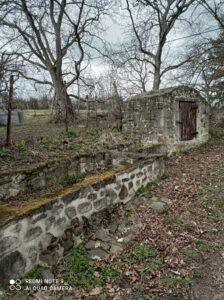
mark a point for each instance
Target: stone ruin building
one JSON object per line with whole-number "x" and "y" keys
{"x": 177, "y": 117}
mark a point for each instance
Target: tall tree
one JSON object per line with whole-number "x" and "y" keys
{"x": 151, "y": 22}
{"x": 53, "y": 37}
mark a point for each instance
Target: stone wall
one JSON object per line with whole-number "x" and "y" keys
{"x": 36, "y": 177}
{"x": 28, "y": 231}
{"x": 154, "y": 117}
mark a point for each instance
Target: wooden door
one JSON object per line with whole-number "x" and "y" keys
{"x": 188, "y": 120}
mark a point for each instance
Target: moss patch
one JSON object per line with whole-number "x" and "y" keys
{"x": 6, "y": 212}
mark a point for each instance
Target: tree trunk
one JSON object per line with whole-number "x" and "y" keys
{"x": 156, "y": 79}
{"x": 63, "y": 107}
{"x": 157, "y": 68}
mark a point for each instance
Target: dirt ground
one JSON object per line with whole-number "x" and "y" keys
{"x": 195, "y": 179}
{"x": 189, "y": 235}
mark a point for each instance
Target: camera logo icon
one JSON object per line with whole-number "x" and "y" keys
{"x": 15, "y": 285}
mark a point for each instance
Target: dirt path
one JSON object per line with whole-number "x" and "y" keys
{"x": 190, "y": 234}
{"x": 211, "y": 285}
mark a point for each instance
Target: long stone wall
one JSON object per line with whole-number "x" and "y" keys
{"x": 36, "y": 177}
{"x": 26, "y": 232}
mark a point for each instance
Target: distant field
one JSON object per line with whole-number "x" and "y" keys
{"x": 37, "y": 123}
{"x": 34, "y": 112}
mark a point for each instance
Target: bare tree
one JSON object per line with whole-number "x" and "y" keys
{"x": 215, "y": 9}
{"x": 133, "y": 72}
{"x": 206, "y": 69}
{"x": 151, "y": 23}
{"x": 53, "y": 37}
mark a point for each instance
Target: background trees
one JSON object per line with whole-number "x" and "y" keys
{"x": 151, "y": 23}
{"x": 57, "y": 42}
{"x": 53, "y": 37}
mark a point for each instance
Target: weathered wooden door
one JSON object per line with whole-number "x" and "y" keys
{"x": 188, "y": 120}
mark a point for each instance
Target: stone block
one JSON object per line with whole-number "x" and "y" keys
{"x": 60, "y": 222}
{"x": 6, "y": 243}
{"x": 32, "y": 254}
{"x": 123, "y": 193}
{"x": 140, "y": 174}
{"x": 57, "y": 208}
{"x": 38, "y": 182}
{"x": 33, "y": 233}
{"x": 98, "y": 254}
{"x": 17, "y": 228}
{"x": 11, "y": 266}
{"x": 100, "y": 204}
{"x": 111, "y": 195}
{"x": 84, "y": 207}
{"x": 92, "y": 196}
{"x": 39, "y": 217}
{"x": 70, "y": 197}
{"x": 49, "y": 222}
{"x": 130, "y": 185}
{"x": 70, "y": 212}
{"x": 125, "y": 179}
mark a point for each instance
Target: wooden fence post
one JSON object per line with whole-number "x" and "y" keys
{"x": 9, "y": 121}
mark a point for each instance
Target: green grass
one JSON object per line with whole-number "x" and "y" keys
{"x": 5, "y": 153}
{"x": 79, "y": 147}
{"x": 191, "y": 253}
{"x": 144, "y": 252}
{"x": 206, "y": 246}
{"x": 111, "y": 273}
{"x": 147, "y": 257}
{"x": 70, "y": 133}
{"x": 34, "y": 273}
{"x": 81, "y": 272}
{"x": 26, "y": 155}
{"x": 173, "y": 281}
{"x": 72, "y": 179}
{"x": 21, "y": 143}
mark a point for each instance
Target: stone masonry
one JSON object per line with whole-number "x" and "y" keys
{"x": 28, "y": 232}
{"x": 154, "y": 117}
{"x": 14, "y": 182}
